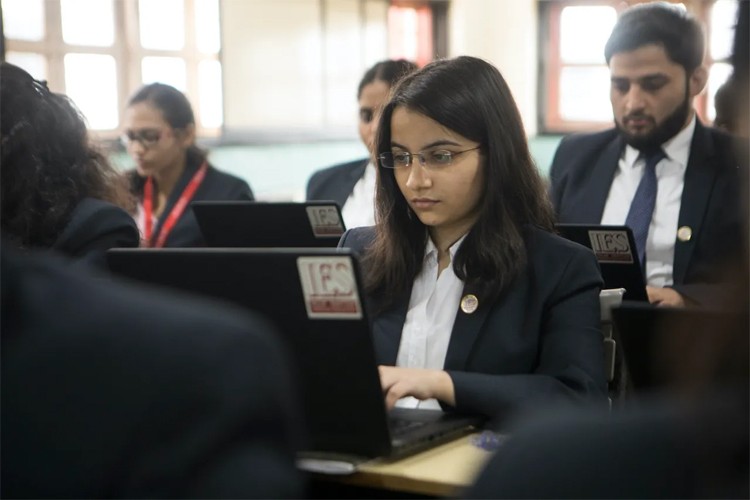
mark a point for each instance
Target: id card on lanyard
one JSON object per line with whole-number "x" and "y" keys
{"x": 174, "y": 214}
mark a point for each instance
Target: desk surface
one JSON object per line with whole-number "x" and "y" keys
{"x": 441, "y": 471}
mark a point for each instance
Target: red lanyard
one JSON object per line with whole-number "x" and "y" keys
{"x": 174, "y": 214}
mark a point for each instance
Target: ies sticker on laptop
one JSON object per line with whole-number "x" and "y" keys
{"x": 611, "y": 246}
{"x": 329, "y": 287}
{"x": 324, "y": 220}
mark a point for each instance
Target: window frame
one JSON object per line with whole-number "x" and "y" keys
{"x": 550, "y": 63}
{"x": 128, "y": 53}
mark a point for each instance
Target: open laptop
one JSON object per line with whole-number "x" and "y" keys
{"x": 254, "y": 224}
{"x": 666, "y": 347}
{"x": 314, "y": 297}
{"x": 614, "y": 247}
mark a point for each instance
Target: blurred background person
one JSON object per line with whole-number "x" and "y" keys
{"x": 352, "y": 184}
{"x": 171, "y": 170}
{"x": 57, "y": 190}
{"x": 660, "y": 171}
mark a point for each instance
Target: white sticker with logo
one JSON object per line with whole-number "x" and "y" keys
{"x": 325, "y": 221}
{"x": 611, "y": 246}
{"x": 329, "y": 287}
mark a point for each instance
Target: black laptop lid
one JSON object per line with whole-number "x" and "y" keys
{"x": 615, "y": 250}
{"x": 313, "y": 298}
{"x": 269, "y": 224}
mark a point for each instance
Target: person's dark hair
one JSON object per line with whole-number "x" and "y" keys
{"x": 48, "y": 162}
{"x": 470, "y": 97}
{"x": 389, "y": 71}
{"x": 662, "y": 24}
{"x": 174, "y": 107}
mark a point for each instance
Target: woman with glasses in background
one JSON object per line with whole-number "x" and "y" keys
{"x": 58, "y": 191}
{"x": 477, "y": 305}
{"x": 352, "y": 184}
{"x": 171, "y": 170}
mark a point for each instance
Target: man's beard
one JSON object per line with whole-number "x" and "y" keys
{"x": 667, "y": 129}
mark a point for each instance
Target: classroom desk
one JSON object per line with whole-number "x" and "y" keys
{"x": 442, "y": 471}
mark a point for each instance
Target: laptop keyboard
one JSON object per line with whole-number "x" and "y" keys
{"x": 400, "y": 426}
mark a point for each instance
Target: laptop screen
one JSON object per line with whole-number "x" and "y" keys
{"x": 615, "y": 251}
{"x": 269, "y": 224}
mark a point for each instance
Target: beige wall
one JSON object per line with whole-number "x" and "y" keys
{"x": 504, "y": 33}
{"x": 292, "y": 66}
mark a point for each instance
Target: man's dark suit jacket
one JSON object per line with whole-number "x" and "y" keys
{"x": 537, "y": 341}
{"x": 336, "y": 183}
{"x": 116, "y": 391}
{"x": 216, "y": 186}
{"x": 96, "y": 226}
{"x": 582, "y": 173}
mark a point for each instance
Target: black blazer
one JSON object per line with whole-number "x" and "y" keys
{"x": 582, "y": 172}
{"x": 216, "y": 186}
{"x": 336, "y": 183}
{"x": 539, "y": 340}
{"x": 96, "y": 226}
{"x": 116, "y": 391}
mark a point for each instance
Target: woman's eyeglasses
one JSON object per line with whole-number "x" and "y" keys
{"x": 430, "y": 159}
{"x": 147, "y": 137}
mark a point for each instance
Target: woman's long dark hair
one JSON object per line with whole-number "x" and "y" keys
{"x": 470, "y": 97}
{"x": 48, "y": 162}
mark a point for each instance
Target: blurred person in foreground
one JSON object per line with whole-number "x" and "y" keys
{"x": 117, "y": 391}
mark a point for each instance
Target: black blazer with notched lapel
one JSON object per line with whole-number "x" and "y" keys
{"x": 582, "y": 173}
{"x": 337, "y": 182}
{"x": 537, "y": 341}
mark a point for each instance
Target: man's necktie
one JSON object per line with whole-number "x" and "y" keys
{"x": 644, "y": 201}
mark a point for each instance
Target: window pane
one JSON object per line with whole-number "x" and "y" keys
{"x": 162, "y": 24}
{"x": 403, "y": 28}
{"x": 718, "y": 74}
{"x": 88, "y": 22}
{"x": 584, "y": 32}
{"x": 34, "y": 64}
{"x": 584, "y": 94}
{"x": 23, "y": 19}
{"x": 210, "y": 95}
{"x": 723, "y": 19}
{"x": 169, "y": 70}
{"x": 91, "y": 81}
{"x": 207, "y": 26}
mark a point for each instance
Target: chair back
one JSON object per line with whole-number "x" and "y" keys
{"x": 609, "y": 298}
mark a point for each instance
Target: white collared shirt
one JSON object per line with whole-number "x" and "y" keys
{"x": 429, "y": 321}
{"x": 359, "y": 209}
{"x": 670, "y": 175}
{"x": 140, "y": 220}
